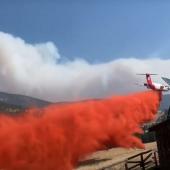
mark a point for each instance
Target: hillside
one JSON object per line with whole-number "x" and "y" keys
{"x": 10, "y": 108}
{"x": 14, "y": 103}
{"x": 21, "y": 100}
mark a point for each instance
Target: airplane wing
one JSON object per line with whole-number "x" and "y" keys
{"x": 166, "y": 80}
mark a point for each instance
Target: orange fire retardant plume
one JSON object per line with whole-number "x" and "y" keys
{"x": 56, "y": 137}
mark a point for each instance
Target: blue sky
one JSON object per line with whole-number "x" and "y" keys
{"x": 97, "y": 30}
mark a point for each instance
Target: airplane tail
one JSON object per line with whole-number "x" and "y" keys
{"x": 148, "y": 79}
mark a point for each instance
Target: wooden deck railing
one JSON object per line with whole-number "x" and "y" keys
{"x": 142, "y": 160}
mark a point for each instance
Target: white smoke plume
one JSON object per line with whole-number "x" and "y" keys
{"x": 35, "y": 70}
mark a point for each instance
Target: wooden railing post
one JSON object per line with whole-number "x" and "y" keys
{"x": 155, "y": 159}
{"x": 126, "y": 166}
{"x": 142, "y": 164}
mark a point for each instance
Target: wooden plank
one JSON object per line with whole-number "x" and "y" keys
{"x": 133, "y": 162}
{"x": 148, "y": 157}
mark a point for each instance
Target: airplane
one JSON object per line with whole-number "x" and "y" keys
{"x": 154, "y": 86}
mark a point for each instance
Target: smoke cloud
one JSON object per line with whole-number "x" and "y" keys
{"x": 57, "y": 136}
{"x": 36, "y": 70}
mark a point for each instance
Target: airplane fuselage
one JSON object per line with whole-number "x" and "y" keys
{"x": 157, "y": 86}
